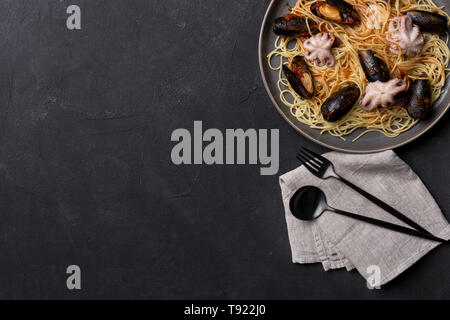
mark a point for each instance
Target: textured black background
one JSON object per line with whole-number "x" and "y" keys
{"x": 85, "y": 170}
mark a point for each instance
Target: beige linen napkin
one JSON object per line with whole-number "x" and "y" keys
{"x": 341, "y": 242}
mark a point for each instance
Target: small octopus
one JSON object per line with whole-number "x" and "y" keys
{"x": 406, "y": 35}
{"x": 318, "y": 48}
{"x": 382, "y": 94}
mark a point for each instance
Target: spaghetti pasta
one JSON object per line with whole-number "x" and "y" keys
{"x": 369, "y": 34}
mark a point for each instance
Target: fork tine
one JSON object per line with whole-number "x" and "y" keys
{"x": 308, "y": 162}
{"x": 311, "y": 159}
{"x": 305, "y": 158}
{"x": 307, "y": 165}
{"x": 318, "y": 156}
{"x": 300, "y": 159}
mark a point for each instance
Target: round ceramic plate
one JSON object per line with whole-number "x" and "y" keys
{"x": 372, "y": 141}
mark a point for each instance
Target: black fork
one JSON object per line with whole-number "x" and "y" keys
{"x": 324, "y": 169}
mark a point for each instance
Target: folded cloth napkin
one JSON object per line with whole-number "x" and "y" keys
{"x": 341, "y": 242}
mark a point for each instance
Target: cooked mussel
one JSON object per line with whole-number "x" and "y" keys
{"x": 419, "y": 100}
{"x": 291, "y": 25}
{"x": 337, "y": 11}
{"x": 429, "y": 21}
{"x": 374, "y": 68}
{"x": 340, "y": 102}
{"x": 300, "y": 77}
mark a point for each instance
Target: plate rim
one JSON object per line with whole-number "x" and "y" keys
{"x": 262, "y": 60}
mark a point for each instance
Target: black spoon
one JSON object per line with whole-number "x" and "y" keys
{"x": 309, "y": 203}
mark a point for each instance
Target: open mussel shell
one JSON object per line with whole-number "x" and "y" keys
{"x": 429, "y": 21}
{"x": 337, "y": 11}
{"x": 300, "y": 77}
{"x": 291, "y": 25}
{"x": 374, "y": 68}
{"x": 419, "y": 99}
{"x": 340, "y": 102}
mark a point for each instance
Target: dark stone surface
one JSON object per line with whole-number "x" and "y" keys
{"x": 85, "y": 170}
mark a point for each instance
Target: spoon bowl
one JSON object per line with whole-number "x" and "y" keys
{"x": 308, "y": 203}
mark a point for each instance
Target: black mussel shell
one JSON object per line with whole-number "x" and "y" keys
{"x": 429, "y": 21}
{"x": 300, "y": 77}
{"x": 337, "y": 11}
{"x": 291, "y": 25}
{"x": 419, "y": 100}
{"x": 374, "y": 68}
{"x": 340, "y": 102}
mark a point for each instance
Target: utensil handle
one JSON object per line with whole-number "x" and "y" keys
{"x": 388, "y": 225}
{"x": 385, "y": 206}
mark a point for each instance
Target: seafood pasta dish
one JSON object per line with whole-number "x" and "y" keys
{"x": 376, "y": 65}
